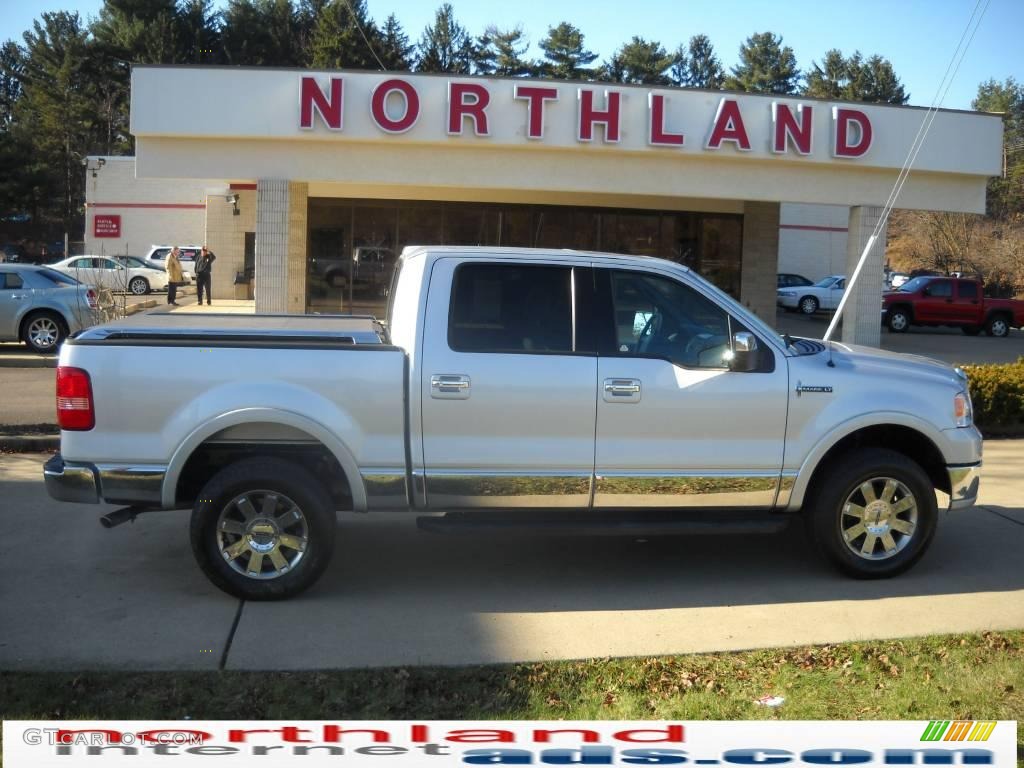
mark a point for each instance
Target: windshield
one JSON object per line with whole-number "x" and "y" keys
{"x": 913, "y": 286}
{"x": 828, "y": 281}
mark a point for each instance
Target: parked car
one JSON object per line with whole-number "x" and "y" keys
{"x": 952, "y": 301}
{"x": 41, "y": 306}
{"x": 107, "y": 272}
{"x": 157, "y": 257}
{"x": 510, "y": 388}
{"x": 894, "y": 280}
{"x": 790, "y": 280}
{"x": 824, "y": 294}
{"x": 138, "y": 263}
{"x": 370, "y": 270}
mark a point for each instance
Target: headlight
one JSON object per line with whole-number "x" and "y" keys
{"x": 963, "y": 411}
{"x": 787, "y": 293}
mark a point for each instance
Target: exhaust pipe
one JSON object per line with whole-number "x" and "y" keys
{"x": 121, "y": 516}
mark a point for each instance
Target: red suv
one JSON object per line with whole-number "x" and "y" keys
{"x": 950, "y": 301}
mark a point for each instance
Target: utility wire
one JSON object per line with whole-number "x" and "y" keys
{"x": 922, "y": 133}
{"x": 366, "y": 40}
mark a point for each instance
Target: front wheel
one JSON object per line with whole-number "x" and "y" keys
{"x": 263, "y": 529}
{"x": 899, "y": 321}
{"x": 872, "y": 513}
{"x": 808, "y": 305}
{"x": 139, "y": 286}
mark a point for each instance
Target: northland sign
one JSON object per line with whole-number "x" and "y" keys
{"x": 441, "y": 137}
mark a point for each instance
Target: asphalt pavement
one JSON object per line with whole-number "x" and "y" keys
{"x": 76, "y": 596}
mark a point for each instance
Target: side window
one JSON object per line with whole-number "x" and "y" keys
{"x": 10, "y": 281}
{"x": 840, "y": 285}
{"x": 160, "y": 254}
{"x": 968, "y": 290}
{"x": 81, "y": 264}
{"x": 511, "y": 308}
{"x": 659, "y": 317}
{"x": 940, "y": 289}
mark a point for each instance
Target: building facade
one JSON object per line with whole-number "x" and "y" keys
{"x": 328, "y": 175}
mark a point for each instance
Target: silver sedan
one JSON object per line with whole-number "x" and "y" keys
{"x": 42, "y": 306}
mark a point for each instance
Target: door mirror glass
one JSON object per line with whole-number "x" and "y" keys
{"x": 744, "y": 355}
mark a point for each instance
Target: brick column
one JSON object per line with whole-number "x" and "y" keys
{"x": 862, "y": 315}
{"x": 760, "y": 259}
{"x": 271, "y": 245}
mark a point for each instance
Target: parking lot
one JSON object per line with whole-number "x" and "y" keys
{"x": 77, "y": 596}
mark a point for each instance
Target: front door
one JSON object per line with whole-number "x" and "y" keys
{"x": 675, "y": 426}
{"x": 507, "y": 393}
{"x": 935, "y": 302}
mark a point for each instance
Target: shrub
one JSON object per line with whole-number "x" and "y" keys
{"x": 997, "y": 392}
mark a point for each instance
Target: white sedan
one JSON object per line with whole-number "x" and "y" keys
{"x": 105, "y": 272}
{"x": 824, "y": 294}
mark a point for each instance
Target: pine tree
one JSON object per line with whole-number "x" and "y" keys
{"x": 344, "y": 37}
{"x": 500, "y": 52}
{"x": 1006, "y": 193}
{"x": 696, "y": 66}
{"x": 854, "y": 79}
{"x": 140, "y": 31}
{"x": 765, "y": 66}
{"x": 200, "y": 32}
{"x": 445, "y": 45}
{"x": 641, "y": 62}
{"x": 262, "y": 33}
{"x": 396, "y": 52}
{"x": 566, "y": 57}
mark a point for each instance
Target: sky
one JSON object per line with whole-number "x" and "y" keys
{"x": 917, "y": 36}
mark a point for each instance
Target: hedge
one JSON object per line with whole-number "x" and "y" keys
{"x": 997, "y": 392}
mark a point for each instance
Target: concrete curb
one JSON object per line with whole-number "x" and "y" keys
{"x": 29, "y": 443}
{"x": 28, "y": 360}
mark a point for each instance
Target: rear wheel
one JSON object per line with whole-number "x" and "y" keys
{"x": 43, "y": 332}
{"x": 872, "y": 513}
{"x": 139, "y": 286}
{"x": 263, "y": 529}
{"x": 808, "y": 305}
{"x": 998, "y": 327}
{"x": 899, "y": 320}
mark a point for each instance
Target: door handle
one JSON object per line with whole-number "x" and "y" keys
{"x": 449, "y": 386}
{"x": 622, "y": 390}
{"x": 17, "y": 296}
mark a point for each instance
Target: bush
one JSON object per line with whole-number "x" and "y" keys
{"x": 997, "y": 392}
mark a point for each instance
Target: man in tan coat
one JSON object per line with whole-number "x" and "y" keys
{"x": 174, "y": 276}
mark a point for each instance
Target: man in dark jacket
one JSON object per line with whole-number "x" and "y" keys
{"x": 204, "y": 268}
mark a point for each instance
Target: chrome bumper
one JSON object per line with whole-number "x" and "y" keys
{"x": 112, "y": 483}
{"x": 963, "y": 484}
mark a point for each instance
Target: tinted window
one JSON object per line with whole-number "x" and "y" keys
{"x": 511, "y": 308}
{"x": 659, "y": 317}
{"x": 81, "y": 264}
{"x": 9, "y": 280}
{"x": 940, "y": 289}
{"x": 55, "y": 277}
{"x": 160, "y": 254}
{"x": 968, "y": 290}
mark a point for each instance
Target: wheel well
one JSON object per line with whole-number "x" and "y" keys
{"x": 904, "y": 308}
{"x": 212, "y": 456}
{"x": 905, "y": 440}
{"x": 36, "y": 313}
{"x": 999, "y": 313}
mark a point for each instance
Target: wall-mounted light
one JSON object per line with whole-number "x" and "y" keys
{"x": 233, "y": 199}
{"x": 100, "y": 162}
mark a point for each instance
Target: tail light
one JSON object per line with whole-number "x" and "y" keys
{"x": 74, "y": 399}
{"x": 90, "y": 296}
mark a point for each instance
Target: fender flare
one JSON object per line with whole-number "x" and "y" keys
{"x": 844, "y": 429}
{"x": 270, "y": 415}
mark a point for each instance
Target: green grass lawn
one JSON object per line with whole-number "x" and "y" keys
{"x": 978, "y": 676}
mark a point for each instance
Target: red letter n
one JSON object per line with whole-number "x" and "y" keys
{"x": 330, "y": 108}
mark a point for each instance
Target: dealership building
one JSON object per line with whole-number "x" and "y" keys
{"x": 311, "y": 182}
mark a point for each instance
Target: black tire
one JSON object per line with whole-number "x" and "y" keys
{"x": 254, "y": 478}
{"x": 838, "y": 483}
{"x": 138, "y": 286}
{"x": 43, "y": 332}
{"x": 998, "y": 327}
{"x": 970, "y": 330}
{"x": 898, "y": 320}
{"x": 808, "y": 305}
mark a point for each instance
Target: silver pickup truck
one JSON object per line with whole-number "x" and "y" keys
{"x": 510, "y": 388}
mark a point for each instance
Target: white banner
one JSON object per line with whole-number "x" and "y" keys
{"x": 441, "y": 743}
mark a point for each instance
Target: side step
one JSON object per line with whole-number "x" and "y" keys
{"x": 611, "y": 523}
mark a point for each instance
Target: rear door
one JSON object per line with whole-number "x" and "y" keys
{"x": 675, "y": 426}
{"x": 507, "y": 386}
{"x": 13, "y": 298}
{"x": 967, "y": 302}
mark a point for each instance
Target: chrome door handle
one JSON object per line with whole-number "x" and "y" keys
{"x": 622, "y": 390}
{"x": 449, "y": 386}
{"x": 17, "y": 296}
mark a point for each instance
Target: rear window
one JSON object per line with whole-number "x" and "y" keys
{"x": 968, "y": 290}
{"x": 55, "y": 277}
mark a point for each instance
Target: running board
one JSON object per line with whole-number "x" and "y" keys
{"x": 611, "y": 523}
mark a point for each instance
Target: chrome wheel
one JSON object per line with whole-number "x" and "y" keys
{"x": 262, "y": 534}
{"x": 138, "y": 286}
{"x": 898, "y": 322}
{"x": 878, "y": 518}
{"x": 43, "y": 333}
{"x": 998, "y": 328}
{"x": 809, "y": 305}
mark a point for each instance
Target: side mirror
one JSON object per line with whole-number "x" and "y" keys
{"x": 744, "y": 354}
